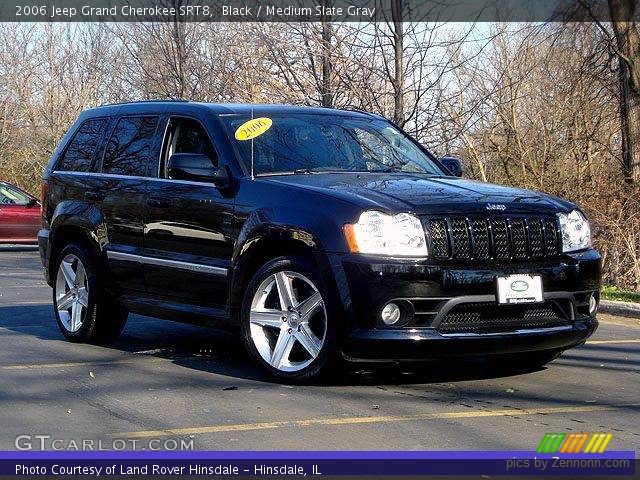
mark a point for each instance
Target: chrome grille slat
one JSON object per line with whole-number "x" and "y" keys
{"x": 480, "y": 232}
{"x": 461, "y": 239}
{"x": 500, "y": 237}
{"x": 493, "y": 237}
{"x": 536, "y": 241}
{"x": 551, "y": 237}
{"x": 518, "y": 238}
{"x": 440, "y": 245}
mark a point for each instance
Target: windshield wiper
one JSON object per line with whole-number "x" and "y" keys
{"x": 310, "y": 170}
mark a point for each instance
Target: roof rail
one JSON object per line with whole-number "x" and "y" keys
{"x": 358, "y": 110}
{"x": 155, "y": 100}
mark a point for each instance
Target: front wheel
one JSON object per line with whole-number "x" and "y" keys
{"x": 285, "y": 320}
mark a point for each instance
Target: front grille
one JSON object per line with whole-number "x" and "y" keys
{"x": 487, "y": 317}
{"x": 493, "y": 238}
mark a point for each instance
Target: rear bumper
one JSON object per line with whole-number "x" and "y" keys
{"x": 45, "y": 251}
{"x": 366, "y": 285}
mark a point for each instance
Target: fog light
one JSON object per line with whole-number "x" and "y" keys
{"x": 593, "y": 304}
{"x": 390, "y": 314}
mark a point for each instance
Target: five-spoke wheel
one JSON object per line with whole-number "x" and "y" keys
{"x": 285, "y": 319}
{"x": 288, "y": 321}
{"x": 72, "y": 292}
{"x": 84, "y": 311}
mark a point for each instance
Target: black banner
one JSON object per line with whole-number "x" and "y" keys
{"x": 303, "y": 10}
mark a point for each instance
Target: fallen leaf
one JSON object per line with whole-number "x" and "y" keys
{"x": 69, "y": 411}
{"x": 92, "y": 375}
{"x": 510, "y": 390}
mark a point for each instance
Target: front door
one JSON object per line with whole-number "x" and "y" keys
{"x": 188, "y": 226}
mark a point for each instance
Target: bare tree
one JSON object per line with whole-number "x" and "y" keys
{"x": 627, "y": 49}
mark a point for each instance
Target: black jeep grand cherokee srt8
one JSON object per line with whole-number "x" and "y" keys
{"x": 323, "y": 234}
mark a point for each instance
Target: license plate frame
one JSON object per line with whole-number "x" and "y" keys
{"x": 519, "y": 288}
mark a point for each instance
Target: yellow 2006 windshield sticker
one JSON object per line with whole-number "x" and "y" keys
{"x": 253, "y": 128}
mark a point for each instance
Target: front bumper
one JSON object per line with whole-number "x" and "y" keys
{"x": 427, "y": 343}
{"x": 364, "y": 285}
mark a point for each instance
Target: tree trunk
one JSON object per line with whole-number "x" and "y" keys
{"x": 327, "y": 94}
{"x": 628, "y": 49}
{"x": 398, "y": 80}
{"x": 179, "y": 38}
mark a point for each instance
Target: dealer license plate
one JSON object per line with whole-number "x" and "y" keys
{"x": 519, "y": 289}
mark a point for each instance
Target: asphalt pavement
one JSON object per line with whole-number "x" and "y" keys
{"x": 163, "y": 383}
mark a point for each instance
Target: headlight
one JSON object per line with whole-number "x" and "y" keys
{"x": 576, "y": 233}
{"x": 381, "y": 234}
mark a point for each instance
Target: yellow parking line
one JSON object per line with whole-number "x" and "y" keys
{"x": 599, "y": 342}
{"x": 361, "y": 420}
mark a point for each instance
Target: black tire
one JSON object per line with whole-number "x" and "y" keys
{"x": 525, "y": 361}
{"x": 103, "y": 319}
{"x": 328, "y": 358}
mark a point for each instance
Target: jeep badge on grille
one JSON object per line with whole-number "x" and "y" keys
{"x": 496, "y": 206}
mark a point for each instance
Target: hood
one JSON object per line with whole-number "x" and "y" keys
{"x": 424, "y": 194}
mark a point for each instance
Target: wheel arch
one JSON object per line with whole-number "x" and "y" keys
{"x": 68, "y": 227}
{"x": 261, "y": 248}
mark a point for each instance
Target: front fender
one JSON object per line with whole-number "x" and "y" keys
{"x": 263, "y": 224}
{"x": 277, "y": 232}
{"x": 319, "y": 230}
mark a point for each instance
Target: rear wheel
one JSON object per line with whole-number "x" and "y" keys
{"x": 285, "y": 320}
{"x": 84, "y": 312}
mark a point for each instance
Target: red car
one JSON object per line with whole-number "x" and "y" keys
{"x": 20, "y": 215}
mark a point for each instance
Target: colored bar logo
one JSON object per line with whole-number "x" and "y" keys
{"x": 574, "y": 443}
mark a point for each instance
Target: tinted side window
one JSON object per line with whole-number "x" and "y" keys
{"x": 82, "y": 148}
{"x": 129, "y": 148}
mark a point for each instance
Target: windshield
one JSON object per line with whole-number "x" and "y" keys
{"x": 307, "y": 143}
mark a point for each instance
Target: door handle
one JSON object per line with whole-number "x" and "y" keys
{"x": 159, "y": 203}
{"x": 94, "y": 196}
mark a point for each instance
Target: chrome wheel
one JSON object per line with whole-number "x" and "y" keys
{"x": 288, "y": 321}
{"x": 72, "y": 293}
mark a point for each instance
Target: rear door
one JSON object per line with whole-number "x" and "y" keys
{"x": 129, "y": 156}
{"x": 188, "y": 226}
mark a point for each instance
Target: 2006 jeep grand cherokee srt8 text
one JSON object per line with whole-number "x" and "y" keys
{"x": 321, "y": 234}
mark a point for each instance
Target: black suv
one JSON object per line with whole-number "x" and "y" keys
{"x": 322, "y": 234}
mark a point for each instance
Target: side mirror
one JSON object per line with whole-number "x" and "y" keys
{"x": 454, "y": 165}
{"x": 196, "y": 167}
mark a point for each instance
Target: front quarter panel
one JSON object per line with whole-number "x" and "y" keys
{"x": 270, "y": 209}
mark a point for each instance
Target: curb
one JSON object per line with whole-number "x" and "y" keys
{"x": 626, "y": 309}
